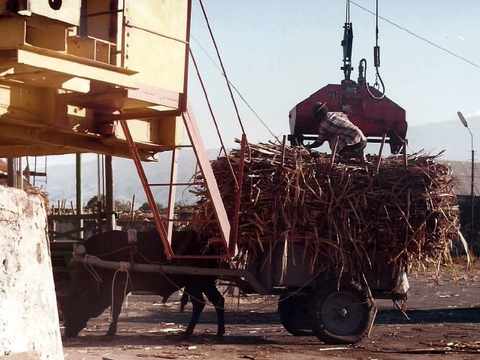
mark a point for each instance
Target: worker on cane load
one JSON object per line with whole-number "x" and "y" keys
{"x": 336, "y": 128}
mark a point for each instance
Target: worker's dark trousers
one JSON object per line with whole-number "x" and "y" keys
{"x": 355, "y": 150}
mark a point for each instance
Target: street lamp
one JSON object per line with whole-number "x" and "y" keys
{"x": 472, "y": 181}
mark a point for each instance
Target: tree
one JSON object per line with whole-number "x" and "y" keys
{"x": 146, "y": 207}
{"x": 94, "y": 204}
{"x": 123, "y": 206}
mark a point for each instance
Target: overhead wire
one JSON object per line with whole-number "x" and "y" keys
{"x": 376, "y": 61}
{"x": 420, "y": 37}
{"x": 210, "y": 31}
{"x": 236, "y": 89}
{"x": 212, "y": 114}
{"x": 347, "y": 11}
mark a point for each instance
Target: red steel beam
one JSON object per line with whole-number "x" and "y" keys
{"x": 207, "y": 172}
{"x": 238, "y": 198}
{"x": 148, "y": 192}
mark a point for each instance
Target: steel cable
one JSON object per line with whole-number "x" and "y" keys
{"x": 420, "y": 37}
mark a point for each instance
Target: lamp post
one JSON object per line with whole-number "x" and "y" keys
{"x": 472, "y": 180}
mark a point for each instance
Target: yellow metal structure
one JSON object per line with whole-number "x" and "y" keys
{"x": 71, "y": 70}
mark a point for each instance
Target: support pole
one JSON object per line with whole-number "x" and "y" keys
{"x": 109, "y": 191}
{"x": 238, "y": 198}
{"x": 334, "y": 153}
{"x": 78, "y": 190}
{"x": 19, "y": 173}
{"x": 162, "y": 231}
{"x": 472, "y": 194}
{"x": 284, "y": 142}
{"x": 380, "y": 153}
{"x": 11, "y": 172}
{"x": 83, "y": 19}
{"x": 171, "y": 196}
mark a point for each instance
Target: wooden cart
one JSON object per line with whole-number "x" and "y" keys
{"x": 334, "y": 310}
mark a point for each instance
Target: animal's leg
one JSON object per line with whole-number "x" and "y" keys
{"x": 184, "y": 301}
{"x": 217, "y": 299}
{"x": 118, "y": 298}
{"x": 198, "y": 303}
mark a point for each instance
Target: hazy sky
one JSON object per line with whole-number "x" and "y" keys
{"x": 278, "y": 52}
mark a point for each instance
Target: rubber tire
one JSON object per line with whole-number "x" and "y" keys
{"x": 328, "y": 335}
{"x": 288, "y": 309}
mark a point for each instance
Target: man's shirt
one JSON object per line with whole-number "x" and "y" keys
{"x": 337, "y": 125}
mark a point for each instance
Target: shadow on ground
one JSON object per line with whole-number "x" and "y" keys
{"x": 434, "y": 316}
{"x": 385, "y": 317}
{"x": 160, "y": 338}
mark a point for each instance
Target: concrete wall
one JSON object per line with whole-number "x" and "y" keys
{"x": 28, "y": 308}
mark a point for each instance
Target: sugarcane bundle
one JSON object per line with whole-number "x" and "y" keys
{"x": 347, "y": 216}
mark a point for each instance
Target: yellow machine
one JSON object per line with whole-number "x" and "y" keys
{"x": 69, "y": 70}
{"x": 102, "y": 76}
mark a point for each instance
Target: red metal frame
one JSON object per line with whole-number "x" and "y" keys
{"x": 210, "y": 182}
{"x": 207, "y": 172}
{"x": 205, "y": 168}
{"x": 171, "y": 195}
{"x": 148, "y": 192}
{"x": 238, "y": 198}
{"x": 374, "y": 117}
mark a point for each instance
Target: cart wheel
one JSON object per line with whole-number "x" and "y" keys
{"x": 343, "y": 316}
{"x": 295, "y": 314}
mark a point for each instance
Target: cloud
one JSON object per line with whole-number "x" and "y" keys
{"x": 460, "y": 37}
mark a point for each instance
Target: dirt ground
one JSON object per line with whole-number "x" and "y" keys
{"x": 444, "y": 322}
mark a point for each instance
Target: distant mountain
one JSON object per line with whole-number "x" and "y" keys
{"x": 61, "y": 178}
{"x": 462, "y": 171}
{"x": 449, "y": 136}
{"x": 435, "y": 137}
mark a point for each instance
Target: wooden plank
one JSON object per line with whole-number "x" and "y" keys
{"x": 241, "y": 275}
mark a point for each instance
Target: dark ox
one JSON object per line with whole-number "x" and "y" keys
{"x": 88, "y": 297}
